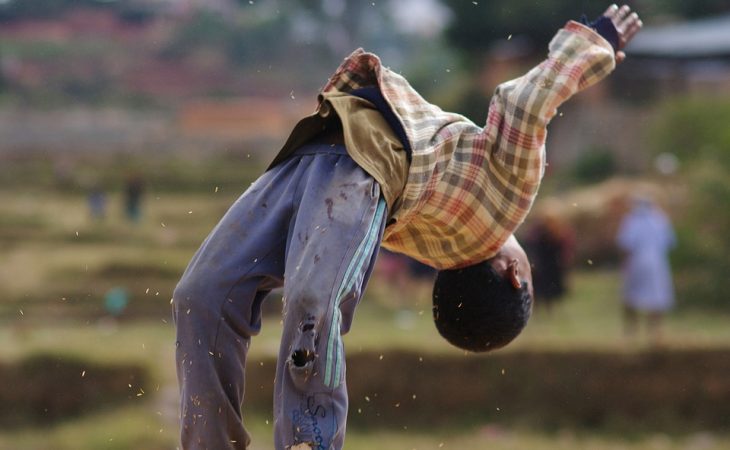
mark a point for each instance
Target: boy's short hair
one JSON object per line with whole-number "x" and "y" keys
{"x": 477, "y": 309}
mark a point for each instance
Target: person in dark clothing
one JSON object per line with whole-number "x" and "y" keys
{"x": 549, "y": 245}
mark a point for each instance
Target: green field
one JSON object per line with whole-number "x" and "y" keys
{"x": 57, "y": 265}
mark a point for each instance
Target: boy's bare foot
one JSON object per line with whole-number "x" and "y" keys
{"x": 627, "y": 24}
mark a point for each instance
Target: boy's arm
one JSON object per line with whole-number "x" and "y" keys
{"x": 521, "y": 109}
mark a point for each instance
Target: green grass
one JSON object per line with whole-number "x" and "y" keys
{"x": 54, "y": 251}
{"x": 143, "y": 428}
{"x": 496, "y": 438}
{"x": 135, "y": 427}
{"x": 57, "y": 264}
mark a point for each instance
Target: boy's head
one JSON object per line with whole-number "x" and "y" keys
{"x": 484, "y": 306}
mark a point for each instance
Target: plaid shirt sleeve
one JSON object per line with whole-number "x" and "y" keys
{"x": 470, "y": 188}
{"x": 522, "y": 108}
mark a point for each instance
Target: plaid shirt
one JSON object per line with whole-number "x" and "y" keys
{"x": 469, "y": 188}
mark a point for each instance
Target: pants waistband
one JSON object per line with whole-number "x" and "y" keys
{"x": 313, "y": 149}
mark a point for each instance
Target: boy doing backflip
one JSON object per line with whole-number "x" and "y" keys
{"x": 374, "y": 165}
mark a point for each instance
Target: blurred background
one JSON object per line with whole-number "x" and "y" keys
{"x": 128, "y": 127}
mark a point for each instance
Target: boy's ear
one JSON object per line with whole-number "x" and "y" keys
{"x": 513, "y": 274}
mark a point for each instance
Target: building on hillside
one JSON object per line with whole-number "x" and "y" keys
{"x": 681, "y": 58}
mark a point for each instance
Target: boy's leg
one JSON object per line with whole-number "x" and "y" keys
{"x": 335, "y": 235}
{"x": 217, "y": 308}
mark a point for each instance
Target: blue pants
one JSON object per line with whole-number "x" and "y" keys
{"x": 312, "y": 224}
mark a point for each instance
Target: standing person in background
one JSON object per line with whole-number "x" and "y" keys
{"x": 134, "y": 190}
{"x": 646, "y": 237}
{"x": 550, "y": 244}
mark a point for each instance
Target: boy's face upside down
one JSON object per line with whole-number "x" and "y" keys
{"x": 484, "y": 306}
{"x": 512, "y": 263}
